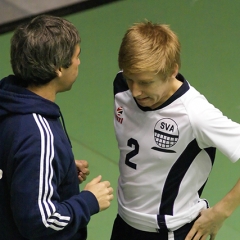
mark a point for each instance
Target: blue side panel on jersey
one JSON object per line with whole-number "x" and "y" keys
{"x": 211, "y": 151}
{"x": 175, "y": 177}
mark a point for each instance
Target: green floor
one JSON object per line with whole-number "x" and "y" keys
{"x": 209, "y": 31}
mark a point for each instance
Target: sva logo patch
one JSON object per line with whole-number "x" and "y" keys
{"x": 166, "y": 133}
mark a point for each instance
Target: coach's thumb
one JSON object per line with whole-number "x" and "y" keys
{"x": 96, "y": 180}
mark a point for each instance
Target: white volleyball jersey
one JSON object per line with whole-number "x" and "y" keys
{"x": 166, "y": 155}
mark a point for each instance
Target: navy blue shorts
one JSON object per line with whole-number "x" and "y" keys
{"x": 121, "y": 230}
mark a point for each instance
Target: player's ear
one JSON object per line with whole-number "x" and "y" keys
{"x": 59, "y": 72}
{"x": 175, "y": 70}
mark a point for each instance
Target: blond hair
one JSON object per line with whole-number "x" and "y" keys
{"x": 149, "y": 47}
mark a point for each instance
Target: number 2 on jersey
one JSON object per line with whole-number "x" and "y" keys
{"x": 132, "y": 143}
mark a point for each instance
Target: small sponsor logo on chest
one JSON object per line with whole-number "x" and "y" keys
{"x": 118, "y": 114}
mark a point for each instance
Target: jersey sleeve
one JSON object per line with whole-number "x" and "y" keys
{"x": 39, "y": 210}
{"x": 213, "y": 129}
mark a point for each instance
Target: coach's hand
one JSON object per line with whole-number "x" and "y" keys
{"x": 82, "y": 169}
{"x": 102, "y": 191}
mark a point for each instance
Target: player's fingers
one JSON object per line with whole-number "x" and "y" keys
{"x": 205, "y": 237}
{"x": 191, "y": 234}
{"x": 213, "y": 236}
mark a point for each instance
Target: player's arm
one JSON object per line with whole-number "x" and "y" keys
{"x": 212, "y": 128}
{"x": 211, "y": 220}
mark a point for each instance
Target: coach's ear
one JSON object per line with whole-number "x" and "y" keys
{"x": 59, "y": 72}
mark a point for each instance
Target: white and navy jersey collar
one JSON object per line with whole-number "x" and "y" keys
{"x": 120, "y": 85}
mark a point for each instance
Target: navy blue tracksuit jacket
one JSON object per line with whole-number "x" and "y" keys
{"x": 39, "y": 190}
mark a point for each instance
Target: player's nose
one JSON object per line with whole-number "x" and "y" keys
{"x": 135, "y": 89}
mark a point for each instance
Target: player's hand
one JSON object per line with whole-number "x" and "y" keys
{"x": 102, "y": 191}
{"x": 208, "y": 224}
{"x": 82, "y": 169}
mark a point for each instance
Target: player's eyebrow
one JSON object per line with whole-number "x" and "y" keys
{"x": 142, "y": 80}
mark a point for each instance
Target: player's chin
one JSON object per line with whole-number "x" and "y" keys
{"x": 144, "y": 103}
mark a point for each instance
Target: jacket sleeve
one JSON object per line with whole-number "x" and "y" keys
{"x": 44, "y": 202}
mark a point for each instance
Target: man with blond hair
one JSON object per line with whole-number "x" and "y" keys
{"x": 167, "y": 135}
